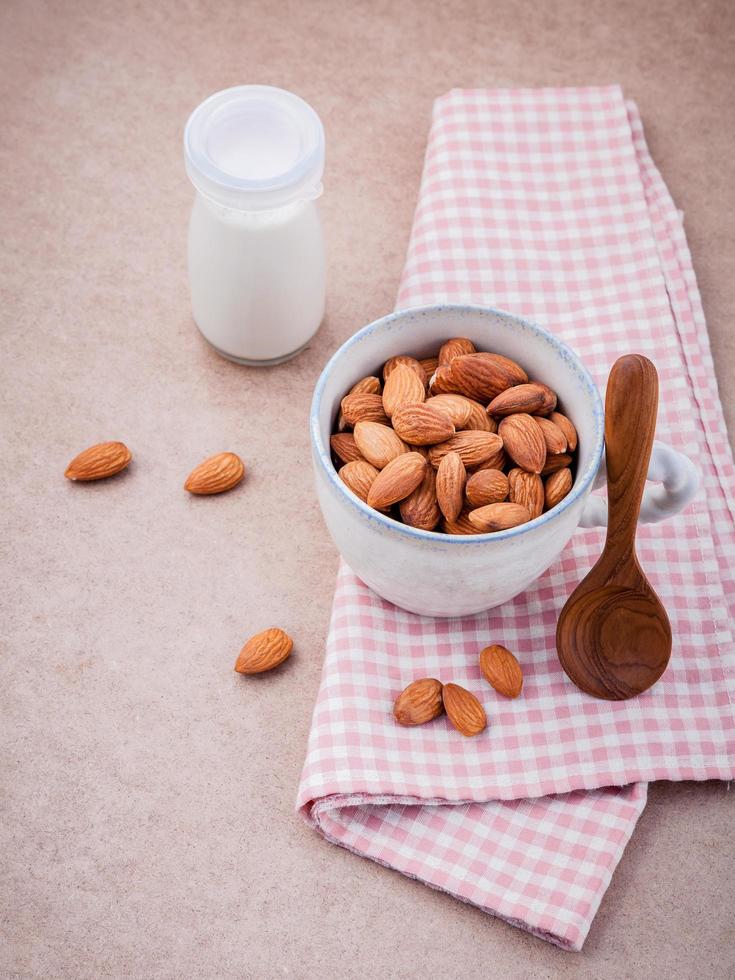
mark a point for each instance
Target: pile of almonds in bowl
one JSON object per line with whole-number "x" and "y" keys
{"x": 462, "y": 443}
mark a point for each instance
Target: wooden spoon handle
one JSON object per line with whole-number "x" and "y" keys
{"x": 631, "y": 405}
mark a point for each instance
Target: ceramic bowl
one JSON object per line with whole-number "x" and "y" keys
{"x": 436, "y": 574}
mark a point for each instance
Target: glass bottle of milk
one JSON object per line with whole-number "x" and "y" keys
{"x": 255, "y": 155}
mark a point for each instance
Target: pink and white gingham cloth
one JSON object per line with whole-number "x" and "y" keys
{"x": 544, "y": 203}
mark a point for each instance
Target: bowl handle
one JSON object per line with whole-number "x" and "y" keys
{"x": 677, "y": 481}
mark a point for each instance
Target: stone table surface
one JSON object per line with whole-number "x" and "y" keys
{"x": 147, "y": 827}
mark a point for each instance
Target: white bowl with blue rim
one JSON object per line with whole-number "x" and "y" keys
{"x": 437, "y": 574}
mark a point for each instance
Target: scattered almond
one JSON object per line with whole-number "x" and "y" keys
{"x": 98, "y": 462}
{"x": 501, "y": 670}
{"x": 378, "y": 443}
{"x": 498, "y": 517}
{"x": 523, "y": 441}
{"x": 558, "y": 486}
{"x": 422, "y": 424}
{"x": 526, "y": 489}
{"x": 533, "y": 399}
{"x": 397, "y": 480}
{"x": 420, "y": 702}
{"x": 216, "y": 474}
{"x": 464, "y": 710}
{"x": 486, "y": 487}
{"x": 264, "y": 651}
{"x": 451, "y": 477}
{"x": 359, "y": 476}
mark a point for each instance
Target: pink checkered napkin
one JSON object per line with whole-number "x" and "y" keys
{"x": 545, "y": 203}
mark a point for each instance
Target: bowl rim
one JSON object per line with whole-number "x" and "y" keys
{"x": 323, "y": 452}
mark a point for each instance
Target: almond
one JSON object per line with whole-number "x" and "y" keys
{"x": 392, "y": 363}
{"x": 486, "y": 487}
{"x": 498, "y": 517}
{"x": 483, "y": 376}
{"x": 451, "y": 477}
{"x": 556, "y": 441}
{"x": 454, "y": 348}
{"x": 421, "y": 450}
{"x": 216, "y": 474}
{"x": 397, "y": 480}
{"x": 473, "y": 446}
{"x": 429, "y": 364}
{"x": 523, "y": 441}
{"x": 555, "y": 463}
{"x": 98, "y": 462}
{"x": 420, "y": 509}
{"x": 526, "y": 489}
{"x": 567, "y": 428}
{"x": 461, "y": 526}
{"x": 402, "y": 387}
{"x": 368, "y": 386}
{"x": 378, "y": 443}
{"x": 441, "y": 382}
{"x": 359, "y": 476}
{"x": 344, "y": 446}
{"x": 264, "y": 651}
{"x": 501, "y": 670}
{"x": 363, "y": 407}
{"x": 533, "y": 399}
{"x": 478, "y": 417}
{"x": 420, "y": 702}
{"x": 464, "y": 710}
{"x": 456, "y": 407}
{"x": 422, "y": 425}
{"x": 498, "y": 461}
{"x": 558, "y": 486}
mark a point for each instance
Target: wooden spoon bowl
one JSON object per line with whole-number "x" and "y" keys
{"x": 613, "y": 636}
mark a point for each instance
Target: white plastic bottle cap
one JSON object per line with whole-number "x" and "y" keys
{"x": 255, "y": 148}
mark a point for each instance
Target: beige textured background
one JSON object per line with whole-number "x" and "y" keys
{"x": 148, "y": 827}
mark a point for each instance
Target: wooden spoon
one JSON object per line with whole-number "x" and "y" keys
{"x": 613, "y": 636}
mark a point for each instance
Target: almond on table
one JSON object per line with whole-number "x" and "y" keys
{"x": 216, "y": 475}
{"x": 458, "y": 442}
{"x": 264, "y": 651}
{"x": 98, "y": 462}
